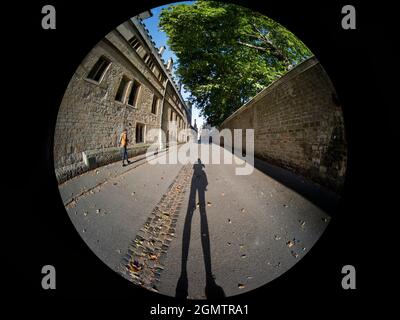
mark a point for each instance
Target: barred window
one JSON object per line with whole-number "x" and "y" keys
{"x": 133, "y": 95}
{"x": 135, "y": 43}
{"x": 150, "y": 64}
{"x": 161, "y": 77}
{"x": 99, "y": 68}
{"x": 120, "y": 96}
{"x": 139, "y": 133}
{"x": 154, "y": 105}
{"x": 148, "y": 61}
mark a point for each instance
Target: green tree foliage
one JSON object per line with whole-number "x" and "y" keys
{"x": 227, "y": 53}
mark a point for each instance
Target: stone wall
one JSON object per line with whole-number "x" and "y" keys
{"x": 89, "y": 117}
{"x": 298, "y": 124}
{"x": 90, "y": 120}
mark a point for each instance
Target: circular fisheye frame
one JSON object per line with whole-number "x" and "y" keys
{"x": 200, "y": 150}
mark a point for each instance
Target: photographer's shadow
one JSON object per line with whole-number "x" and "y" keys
{"x": 198, "y": 185}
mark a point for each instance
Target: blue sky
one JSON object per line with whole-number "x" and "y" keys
{"x": 160, "y": 38}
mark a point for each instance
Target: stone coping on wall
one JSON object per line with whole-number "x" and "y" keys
{"x": 300, "y": 68}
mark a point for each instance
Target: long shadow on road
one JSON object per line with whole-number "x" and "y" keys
{"x": 198, "y": 185}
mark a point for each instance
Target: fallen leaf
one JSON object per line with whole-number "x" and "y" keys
{"x": 134, "y": 267}
{"x": 290, "y": 244}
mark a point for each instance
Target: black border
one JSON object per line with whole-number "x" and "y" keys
{"x": 41, "y": 63}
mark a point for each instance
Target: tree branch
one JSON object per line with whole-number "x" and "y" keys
{"x": 270, "y": 50}
{"x": 253, "y": 46}
{"x": 276, "y": 51}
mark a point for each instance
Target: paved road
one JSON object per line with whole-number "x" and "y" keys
{"x": 195, "y": 230}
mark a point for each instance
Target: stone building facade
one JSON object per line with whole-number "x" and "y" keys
{"x": 298, "y": 124}
{"x": 122, "y": 83}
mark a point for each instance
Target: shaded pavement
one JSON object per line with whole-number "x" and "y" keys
{"x": 226, "y": 234}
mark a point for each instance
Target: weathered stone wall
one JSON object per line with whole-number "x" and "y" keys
{"x": 298, "y": 124}
{"x": 90, "y": 118}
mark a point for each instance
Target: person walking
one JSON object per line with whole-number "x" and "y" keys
{"x": 123, "y": 141}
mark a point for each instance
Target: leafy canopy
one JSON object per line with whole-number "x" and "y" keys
{"x": 227, "y": 53}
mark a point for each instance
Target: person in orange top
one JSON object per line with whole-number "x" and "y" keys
{"x": 123, "y": 141}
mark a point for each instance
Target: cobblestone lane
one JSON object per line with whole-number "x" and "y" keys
{"x": 143, "y": 263}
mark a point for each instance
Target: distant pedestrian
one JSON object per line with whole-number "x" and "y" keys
{"x": 123, "y": 141}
